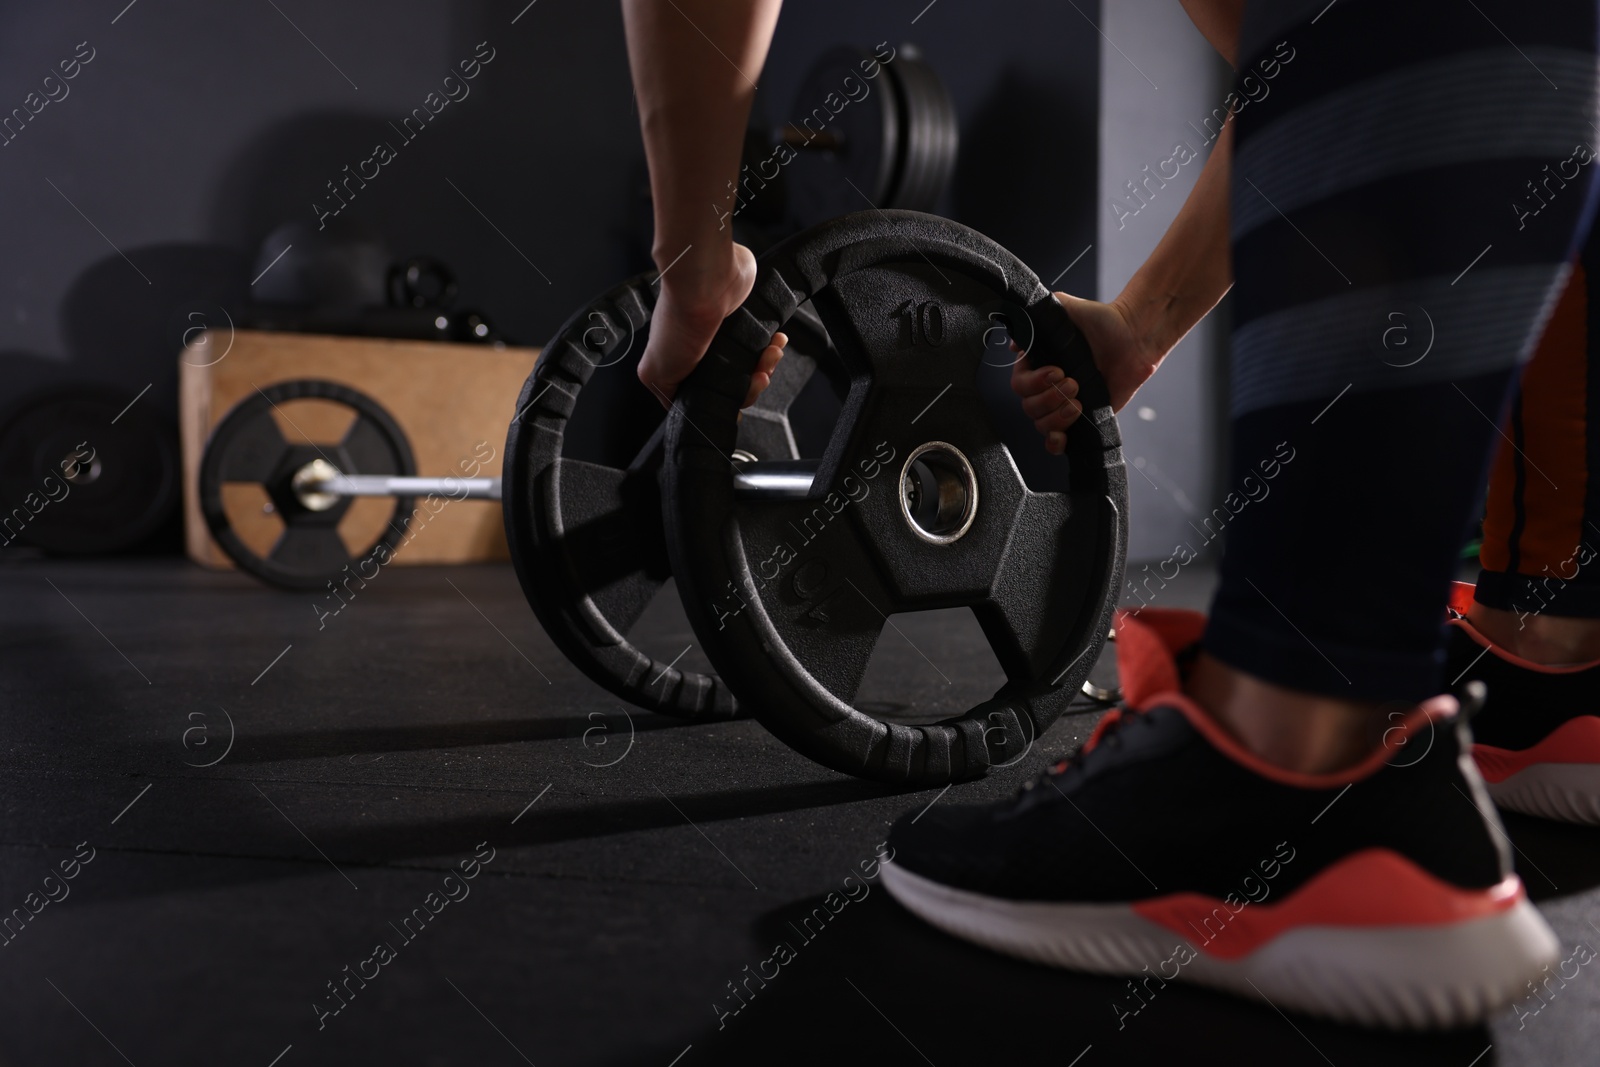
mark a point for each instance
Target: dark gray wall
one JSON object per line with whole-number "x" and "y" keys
{"x": 198, "y": 127}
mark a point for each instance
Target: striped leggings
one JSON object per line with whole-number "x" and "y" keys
{"x": 1405, "y": 206}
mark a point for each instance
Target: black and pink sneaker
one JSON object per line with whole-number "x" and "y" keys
{"x": 1538, "y": 735}
{"x": 1163, "y": 850}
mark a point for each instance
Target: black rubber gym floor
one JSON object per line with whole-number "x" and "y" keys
{"x": 629, "y": 868}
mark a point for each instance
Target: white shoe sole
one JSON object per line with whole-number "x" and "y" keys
{"x": 1568, "y": 792}
{"x": 1400, "y": 977}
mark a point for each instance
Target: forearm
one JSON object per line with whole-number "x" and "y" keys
{"x": 695, "y": 64}
{"x": 1189, "y": 271}
{"x": 1218, "y": 22}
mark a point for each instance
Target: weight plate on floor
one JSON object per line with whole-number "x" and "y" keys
{"x": 916, "y": 504}
{"x": 582, "y": 501}
{"x": 300, "y": 545}
{"x": 844, "y": 154}
{"x": 930, "y": 135}
{"x": 85, "y": 470}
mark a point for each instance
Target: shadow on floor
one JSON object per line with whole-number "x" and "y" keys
{"x": 1554, "y": 859}
{"x": 596, "y": 819}
{"x": 420, "y": 737}
{"x": 414, "y": 844}
{"x": 875, "y": 985}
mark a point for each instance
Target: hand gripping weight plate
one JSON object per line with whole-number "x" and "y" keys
{"x": 582, "y": 503}
{"x": 788, "y": 594}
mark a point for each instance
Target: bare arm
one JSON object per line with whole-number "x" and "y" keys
{"x": 1218, "y": 23}
{"x": 1174, "y": 289}
{"x": 1189, "y": 271}
{"x": 695, "y": 65}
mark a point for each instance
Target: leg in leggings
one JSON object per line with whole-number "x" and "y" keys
{"x": 1542, "y": 520}
{"x": 1410, "y": 171}
{"x": 1530, "y": 631}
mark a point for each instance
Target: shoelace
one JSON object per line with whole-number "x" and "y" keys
{"x": 1105, "y": 733}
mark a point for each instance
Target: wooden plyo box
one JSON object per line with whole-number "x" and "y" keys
{"x": 454, "y": 403}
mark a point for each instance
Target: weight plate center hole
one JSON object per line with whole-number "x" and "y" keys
{"x": 74, "y": 470}
{"x": 938, "y": 493}
{"x": 307, "y": 484}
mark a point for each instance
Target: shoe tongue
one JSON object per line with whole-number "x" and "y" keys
{"x": 1147, "y": 645}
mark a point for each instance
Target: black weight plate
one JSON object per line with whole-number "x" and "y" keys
{"x": 813, "y": 579}
{"x": 930, "y": 136}
{"x": 85, "y": 470}
{"x": 248, "y": 446}
{"x": 582, "y": 502}
{"x": 862, "y": 123}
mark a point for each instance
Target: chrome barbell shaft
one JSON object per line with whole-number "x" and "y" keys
{"x": 791, "y": 479}
{"x": 396, "y": 485}
{"x": 782, "y": 478}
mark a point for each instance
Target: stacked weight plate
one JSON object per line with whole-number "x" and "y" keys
{"x": 868, "y": 134}
{"x": 582, "y": 503}
{"x": 790, "y": 552}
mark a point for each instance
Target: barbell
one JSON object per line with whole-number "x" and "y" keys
{"x": 869, "y": 479}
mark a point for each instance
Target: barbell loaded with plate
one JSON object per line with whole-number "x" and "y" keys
{"x": 306, "y": 486}
{"x": 583, "y": 507}
{"x": 886, "y": 139}
{"x": 265, "y": 491}
{"x": 788, "y": 554}
{"x": 788, "y": 592}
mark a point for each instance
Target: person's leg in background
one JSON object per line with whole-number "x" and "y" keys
{"x": 1416, "y": 235}
{"x": 1530, "y": 630}
{"x": 1308, "y": 760}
